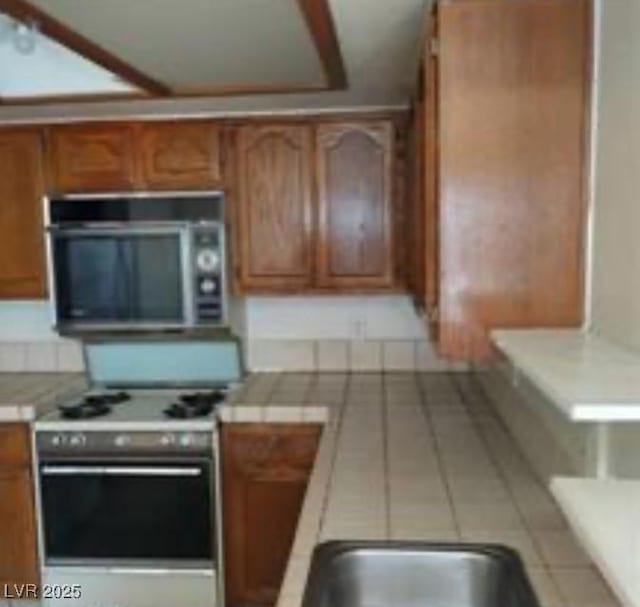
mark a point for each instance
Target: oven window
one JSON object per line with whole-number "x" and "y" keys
{"x": 133, "y": 511}
{"x": 118, "y": 278}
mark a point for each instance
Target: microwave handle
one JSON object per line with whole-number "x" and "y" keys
{"x": 172, "y": 471}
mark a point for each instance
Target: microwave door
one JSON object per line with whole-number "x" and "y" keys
{"x": 108, "y": 278}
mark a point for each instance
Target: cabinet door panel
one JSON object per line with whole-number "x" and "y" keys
{"x": 179, "y": 155}
{"x": 355, "y": 205}
{"x": 92, "y": 158}
{"x": 266, "y": 469}
{"x": 513, "y": 90}
{"x": 22, "y": 273}
{"x": 274, "y": 204}
{"x": 18, "y": 543}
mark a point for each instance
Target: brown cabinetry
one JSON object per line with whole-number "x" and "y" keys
{"x": 134, "y": 156}
{"x": 354, "y": 174}
{"x": 315, "y": 206}
{"x": 92, "y": 158}
{"x": 275, "y": 207}
{"x": 510, "y": 114}
{"x": 22, "y": 273}
{"x": 18, "y": 555}
{"x": 177, "y": 155}
{"x": 265, "y": 469}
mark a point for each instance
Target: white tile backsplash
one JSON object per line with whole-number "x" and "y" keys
{"x": 329, "y": 355}
{"x": 399, "y": 355}
{"x": 365, "y": 356}
{"x": 280, "y": 355}
{"x": 333, "y": 355}
{"x": 69, "y": 356}
{"x": 41, "y": 356}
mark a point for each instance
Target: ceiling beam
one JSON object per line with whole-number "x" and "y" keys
{"x": 317, "y": 14}
{"x": 23, "y": 11}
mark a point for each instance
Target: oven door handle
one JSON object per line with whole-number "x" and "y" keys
{"x": 120, "y": 471}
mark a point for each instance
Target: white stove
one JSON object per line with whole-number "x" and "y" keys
{"x": 128, "y": 485}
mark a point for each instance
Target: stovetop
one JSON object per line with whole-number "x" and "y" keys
{"x": 157, "y": 409}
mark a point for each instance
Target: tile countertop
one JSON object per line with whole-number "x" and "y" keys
{"x": 25, "y": 396}
{"x": 586, "y": 376}
{"x": 422, "y": 457}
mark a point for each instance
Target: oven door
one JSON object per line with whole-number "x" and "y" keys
{"x": 121, "y": 276}
{"x": 138, "y": 513}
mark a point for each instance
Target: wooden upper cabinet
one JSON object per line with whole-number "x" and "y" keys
{"x": 355, "y": 175}
{"x": 92, "y": 158}
{"x": 274, "y": 207}
{"x": 22, "y": 272}
{"x": 513, "y": 99}
{"x": 176, "y": 155}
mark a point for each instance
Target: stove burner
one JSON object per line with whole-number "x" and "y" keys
{"x": 194, "y": 398}
{"x": 194, "y": 404}
{"x": 93, "y": 405}
{"x": 108, "y": 398}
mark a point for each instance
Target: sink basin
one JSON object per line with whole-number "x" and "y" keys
{"x": 416, "y": 574}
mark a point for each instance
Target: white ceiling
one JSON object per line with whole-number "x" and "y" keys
{"x": 199, "y": 42}
{"x": 379, "y": 40}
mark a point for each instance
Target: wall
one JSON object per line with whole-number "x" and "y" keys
{"x": 27, "y": 342}
{"x": 281, "y": 333}
{"x": 615, "y": 305}
{"x": 338, "y": 334}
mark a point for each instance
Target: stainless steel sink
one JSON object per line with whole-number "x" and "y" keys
{"x": 414, "y": 574}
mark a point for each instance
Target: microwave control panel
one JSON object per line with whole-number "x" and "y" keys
{"x": 209, "y": 276}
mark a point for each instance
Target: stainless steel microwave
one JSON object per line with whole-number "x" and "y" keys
{"x": 119, "y": 262}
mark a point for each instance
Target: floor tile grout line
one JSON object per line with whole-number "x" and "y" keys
{"x": 436, "y": 447}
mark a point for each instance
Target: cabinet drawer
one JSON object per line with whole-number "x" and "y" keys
{"x": 262, "y": 447}
{"x": 14, "y": 445}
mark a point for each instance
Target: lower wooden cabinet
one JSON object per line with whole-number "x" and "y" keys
{"x": 18, "y": 538}
{"x": 265, "y": 471}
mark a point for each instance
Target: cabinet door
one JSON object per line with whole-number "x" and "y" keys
{"x": 354, "y": 164}
{"x": 274, "y": 207}
{"x": 266, "y": 469}
{"x": 179, "y": 155}
{"x": 22, "y": 272}
{"x": 92, "y": 158}
{"x": 18, "y": 543}
{"x": 513, "y": 117}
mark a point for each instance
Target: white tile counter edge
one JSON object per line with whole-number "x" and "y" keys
{"x": 532, "y": 351}
{"x": 605, "y": 515}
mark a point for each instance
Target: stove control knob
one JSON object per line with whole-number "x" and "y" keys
{"x": 57, "y": 440}
{"x": 186, "y": 440}
{"x": 167, "y": 440}
{"x": 78, "y": 440}
{"x": 122, "y": 440}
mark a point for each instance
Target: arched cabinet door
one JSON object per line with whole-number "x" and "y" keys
{"x": 274, "y": 207}
{"x": 355, "y": 168}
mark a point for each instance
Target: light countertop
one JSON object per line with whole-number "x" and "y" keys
{"x": 605, "y": 515}
{"x": 586, "y": 376}
{"x": 25, "y": 396}
{"x": 423, "y": 457}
